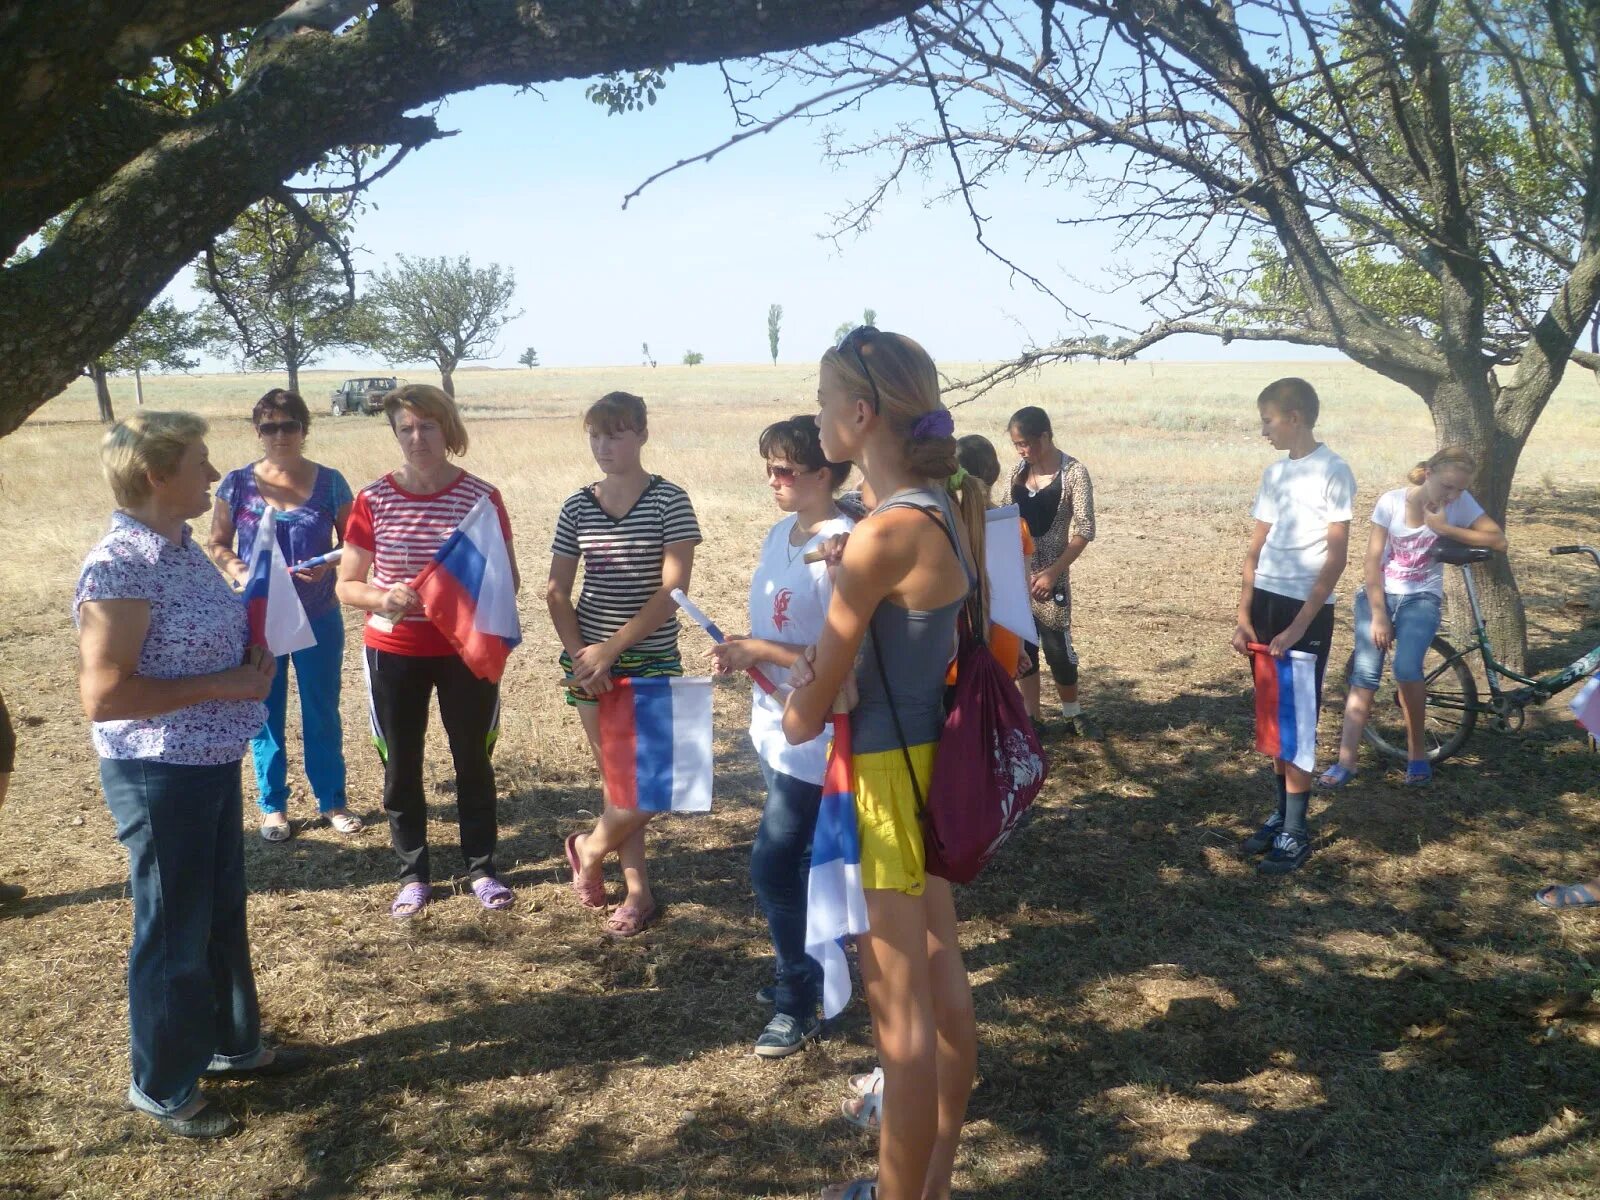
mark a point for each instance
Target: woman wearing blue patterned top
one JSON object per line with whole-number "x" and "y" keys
{"x": 174, "y": 696}
{"x": 313, "y": 503}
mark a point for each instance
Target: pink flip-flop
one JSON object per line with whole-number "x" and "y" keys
{"x": 629, "y": 921}
{"x": 591, "y": 894}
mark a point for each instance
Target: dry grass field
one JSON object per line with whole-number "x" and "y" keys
{"x": 1155, "y": 1020}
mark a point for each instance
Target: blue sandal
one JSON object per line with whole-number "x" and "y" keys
{"x": 1335, "y": 776}
{"x": 1571, "y": 895}
{"x": 1419, "y": 773}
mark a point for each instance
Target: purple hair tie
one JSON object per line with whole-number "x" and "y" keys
{"x": 936, "y": 424}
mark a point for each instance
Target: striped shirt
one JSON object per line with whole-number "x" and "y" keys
{"x": 402, "y": 531}
{"x": 622, "y": 558}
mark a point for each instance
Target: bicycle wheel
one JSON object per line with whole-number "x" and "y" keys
{"x": 1451, "y": 713}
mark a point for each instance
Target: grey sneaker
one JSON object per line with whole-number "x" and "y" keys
{"x": 1287, "y": 854}
{"x": 784, "y": 1035}
{"x": 1081, "y": 726}
{"x": 1261, "y": 840}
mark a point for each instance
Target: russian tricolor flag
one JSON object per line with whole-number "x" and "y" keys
{"x": 1586, "y": 707}
{"x": 1286, "y": 705}
{"x": 277, "y": 618}
{"x": 468, "y": 592}
{"x": 655, "y": 744}
{"x": 836, "y": 906}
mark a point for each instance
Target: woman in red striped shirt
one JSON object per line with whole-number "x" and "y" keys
{"x": 396, "y": 525}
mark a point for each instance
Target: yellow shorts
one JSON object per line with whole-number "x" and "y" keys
{"x": 892, "y": 856}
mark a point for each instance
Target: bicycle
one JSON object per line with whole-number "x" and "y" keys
{"x": 1453, "y": 704}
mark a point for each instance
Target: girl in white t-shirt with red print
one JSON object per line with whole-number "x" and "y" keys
{"x": 1402, "y": 593}
{"x": 788, "y": 605}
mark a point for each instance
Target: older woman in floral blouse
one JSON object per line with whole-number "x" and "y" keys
{"x": 174, "y": 699}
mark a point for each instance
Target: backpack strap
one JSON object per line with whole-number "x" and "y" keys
{"x": 899, "y": 730}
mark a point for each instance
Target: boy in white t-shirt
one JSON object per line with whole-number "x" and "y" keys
{"x": 788, "y": 603}
{"x": 1296, "y": 555}
{"x": 1403, "y": 591}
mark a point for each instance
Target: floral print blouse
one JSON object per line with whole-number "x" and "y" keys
{"x": 197, "y": 626}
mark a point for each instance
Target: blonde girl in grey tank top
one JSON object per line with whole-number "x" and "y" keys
{"x": 879, "y": 407}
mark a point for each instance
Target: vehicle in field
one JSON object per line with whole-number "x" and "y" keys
{"x": 363, "y": 394}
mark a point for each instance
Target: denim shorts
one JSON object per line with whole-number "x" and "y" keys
{"x": 1415, "y": 616}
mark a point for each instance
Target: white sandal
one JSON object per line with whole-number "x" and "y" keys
{"x": 346, "y": 822}
{"x": 273, "y": 832}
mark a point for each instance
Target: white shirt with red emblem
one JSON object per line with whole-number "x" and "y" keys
{"x": 788, "y": 603}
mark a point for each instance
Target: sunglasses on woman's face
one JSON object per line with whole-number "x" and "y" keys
{"x": 785, "y": 475}
{"x": 270, "y": 428}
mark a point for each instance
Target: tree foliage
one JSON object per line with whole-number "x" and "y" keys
{"x": 282, "y": 284}
{"x": 439, "y": 310}
{"x": 158, "y": 124}
{"x": 529, "y": 358}
{"x": 1414, "y": 184}
{"x": 774, "y": 326}
{"x": 693, "y": 358}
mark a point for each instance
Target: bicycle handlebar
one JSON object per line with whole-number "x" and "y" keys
{"x": 1589, "y": 550}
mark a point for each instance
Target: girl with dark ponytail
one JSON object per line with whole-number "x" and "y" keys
{"x": 903, "y": 576}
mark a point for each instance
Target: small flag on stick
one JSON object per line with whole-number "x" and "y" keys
{"x": 1286, "y": 705}
{"x": 467, "y": 591}
{"x": 655, "y": 743}
{"x": 836, "y": 905}
{"x": 277, "y": 618}
{"x": 1586, "y": 708}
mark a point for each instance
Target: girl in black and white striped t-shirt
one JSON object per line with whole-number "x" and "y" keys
{"x": 635, "y": 533}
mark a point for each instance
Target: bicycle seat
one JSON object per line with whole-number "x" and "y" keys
{"x": 1457, "y": 554}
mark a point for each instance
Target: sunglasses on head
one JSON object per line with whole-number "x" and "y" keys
{"x": 268, "y": 428}
{"x": 853, "y": 341}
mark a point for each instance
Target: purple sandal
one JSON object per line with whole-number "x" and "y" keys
{"x": 412, "y": 899}
{"x": 491, "y": 893}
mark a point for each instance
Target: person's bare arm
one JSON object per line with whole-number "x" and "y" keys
{"x": 1244, "y": 632}
{"x": 1372, "y": 583}
{"x": 219, "y": 545}
{"x": 355, "y": 564}
{"x": 1484, "y": 532}
{"x": 111, "y": 636}
{"x": 741, "y": 653}
{"x": 558, "y": 596}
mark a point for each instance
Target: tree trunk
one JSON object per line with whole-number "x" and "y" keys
{"x": 138, "y": 387}
{"x": 447, "y": 380}
{"x": 294, "y": 377}
{"x": 102, "y": 393}
{"x": 1464, "y": 415}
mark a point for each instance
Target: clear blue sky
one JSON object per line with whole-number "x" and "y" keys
{"x": 536, "y": 181}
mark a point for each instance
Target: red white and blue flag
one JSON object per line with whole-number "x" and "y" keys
{"x": 1286, "y": 705}
{"x": 836, "y": 905}
{"x": 655, "y": 744}
{"x": 277, "y": 618}
{"x": 468, "y": 592}
{"x": 1586, "y": 708}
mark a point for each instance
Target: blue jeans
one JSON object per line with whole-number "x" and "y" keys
{"x": 191, "y": 991}
{"x": 1415, "y": 617}
{"x": 780, "y": 866}
{"x": 316, "y": 669}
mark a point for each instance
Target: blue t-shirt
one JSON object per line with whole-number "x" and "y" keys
{"x": 303, "y": 532}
